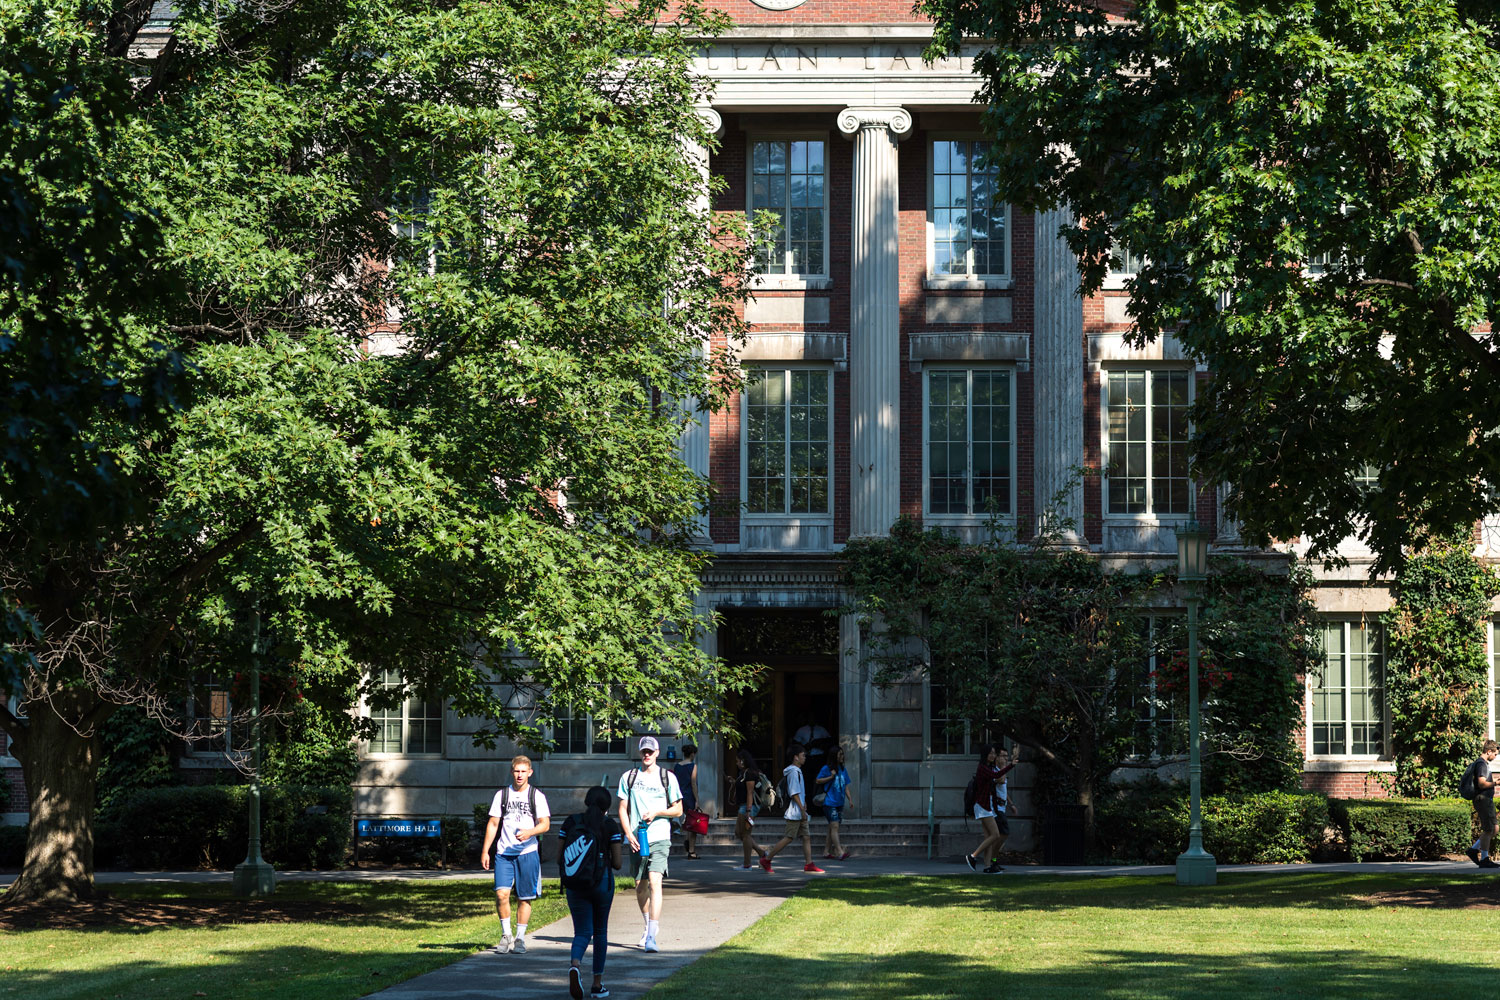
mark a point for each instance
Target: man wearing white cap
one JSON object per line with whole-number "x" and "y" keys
{"x": 649, "y": 800}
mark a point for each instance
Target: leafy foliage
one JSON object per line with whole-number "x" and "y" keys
{"x": 1402, "y": 829}
{"x": 414, "y": 258}
{"x": 1305, "y": 181}
{"x": 1437, "y": 667}
{"x": 137, "y": 754}
{"x": 1035, "y": 643}
{"x": 312, "y": 745}
{"x": 1148, "y": 822}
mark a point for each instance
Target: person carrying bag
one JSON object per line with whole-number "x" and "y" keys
{"x": 591, "y": 842}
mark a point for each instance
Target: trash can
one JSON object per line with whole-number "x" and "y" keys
{"x": 1062, "y": 835}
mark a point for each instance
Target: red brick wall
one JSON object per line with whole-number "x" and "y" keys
{"x": 1347, "y": 784}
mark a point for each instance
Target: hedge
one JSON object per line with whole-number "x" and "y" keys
{"x": 1149, "y": 823}
{"x": 206, "y": 827}
{"x": 1403, "y": 829}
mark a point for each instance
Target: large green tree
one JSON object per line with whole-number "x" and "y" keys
{"x": 1314, "y": 185}
{"x": 422, "y": 283}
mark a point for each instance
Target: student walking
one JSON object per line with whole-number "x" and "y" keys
{"x": 1478, "y": 778}
{"x": 833, "y": 781}
{"x": 649, "y": 800}
{"x": 589, "y": 857}
{"x": 989, "y": 806}
{"x": 687, "y": 780}
{"x": 742, "y": 799}
{"x": 796, "y": 812}
{"x": 519, "y": 814}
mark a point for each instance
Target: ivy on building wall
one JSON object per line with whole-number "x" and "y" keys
{"x": 1436, "y": 667}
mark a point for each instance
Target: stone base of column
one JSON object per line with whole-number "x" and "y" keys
{"x": 1197, "y": 868}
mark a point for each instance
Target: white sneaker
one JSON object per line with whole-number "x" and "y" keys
{"x": 645, "y": 936}
{"x": 649, "y": 944}
{"x": 505, "y": 944}
{"x": 520, "y": 946}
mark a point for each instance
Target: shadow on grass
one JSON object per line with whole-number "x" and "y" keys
{"x": 1100, "y": 974}
{"x": 1311, "y": 890}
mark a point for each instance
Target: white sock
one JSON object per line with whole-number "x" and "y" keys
{"x": 520, "y": 930}
{"x": 652, "y": 926}
{"x": 505, "y": 926}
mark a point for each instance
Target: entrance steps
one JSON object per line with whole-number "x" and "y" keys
{"x": 860, "y": 837}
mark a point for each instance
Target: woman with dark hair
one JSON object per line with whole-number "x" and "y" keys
{"x": 833, "y": 780}
{"x": 687, "y": 781}
{"x": 742, "y": 797}
{"x": 590, "y": 906}
{"x": 989, "y": 806}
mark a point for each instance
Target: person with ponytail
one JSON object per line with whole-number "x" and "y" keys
{"x": 592, "y": 829}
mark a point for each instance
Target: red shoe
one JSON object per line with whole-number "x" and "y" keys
{"x": 765, "y": 862}
{"x": 844, "y": 856}
{"x": 810, "y": 867}
{"x": 831, "y": 857}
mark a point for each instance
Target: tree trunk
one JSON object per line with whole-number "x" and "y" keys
{"x": 61, "y": 768}
{"x": 1083, "y": 784}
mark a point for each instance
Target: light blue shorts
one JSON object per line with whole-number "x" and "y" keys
{"x": 524, "y": 871}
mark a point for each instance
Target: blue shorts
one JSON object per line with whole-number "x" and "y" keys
{"x": 752, "y": 812}
{"x": 524, "y": 871}
{"x": 834, "y": 814}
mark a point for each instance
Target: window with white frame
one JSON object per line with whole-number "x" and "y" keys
{"x": 414, "y": 726}
{"x": 1347, "y": 711}
{"x": 1124, "y": 263}
{"x": 788, "y": 432}
{"x": 1158, "y": 730}
{"x": 577, "y": 732}
{"x": 787, "y": 179}
{"x": 948, "y": 733}
{"x": 970, "y": 228}
{"x": 216, "y": 724}
{"x": 13, "y": 703}
{"x": 1146, "y": 441}
{"x": 970, "y": 437}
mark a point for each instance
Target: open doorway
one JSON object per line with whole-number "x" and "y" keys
{"x": 798, "y": 695}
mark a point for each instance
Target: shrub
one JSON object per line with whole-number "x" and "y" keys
{"x": 206, "y": 827}
{"x": 1148, "y": 822}
{"x": 1402, "y": 829}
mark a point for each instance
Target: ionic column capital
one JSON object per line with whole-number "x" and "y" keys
{"x": 712, "y": 120}
{"x": 896, "y": 120}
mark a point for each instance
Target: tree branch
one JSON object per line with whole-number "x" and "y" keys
{"x": 124, "y": 25}
{"x": 199, "y": 567}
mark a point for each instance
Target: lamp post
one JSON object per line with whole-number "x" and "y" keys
{"x": 1195, "y": 866}
{"x": 253, "y": 876}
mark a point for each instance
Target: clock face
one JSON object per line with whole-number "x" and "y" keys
{"x": 778, "y": 4}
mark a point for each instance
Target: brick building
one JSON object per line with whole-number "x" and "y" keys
{"x": 922, "y": 351}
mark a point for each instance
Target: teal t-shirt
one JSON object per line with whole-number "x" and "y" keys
{"x": 650, "y": 791}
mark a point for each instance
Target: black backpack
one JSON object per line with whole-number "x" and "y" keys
{"x": 581, "y": 861}
{"x": 1468, "y": 787}
{"x": 971, "y": 796}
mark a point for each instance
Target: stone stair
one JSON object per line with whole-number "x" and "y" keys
{"x": 860, "y": 837}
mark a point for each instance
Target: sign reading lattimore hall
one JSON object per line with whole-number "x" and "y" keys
{"x": 808, "y": 69}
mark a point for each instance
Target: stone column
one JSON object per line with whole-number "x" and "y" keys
{"x": 694, "y": 446}
{"x": 874, "y": 321}
{"x": 1057, "y": 378}
{"x": 854, "y": 714}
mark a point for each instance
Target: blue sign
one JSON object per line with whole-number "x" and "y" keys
{"x": 400, "y": 828}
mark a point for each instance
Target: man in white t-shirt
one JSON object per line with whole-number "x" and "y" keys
{"x": 649, "y": 800}
{"x": 519, "y": 814}
{"x": 796, "y": 812}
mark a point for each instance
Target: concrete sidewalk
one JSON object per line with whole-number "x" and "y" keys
{"x": 697, "y": 917}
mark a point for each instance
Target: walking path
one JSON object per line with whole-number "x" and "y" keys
{"x": 707, "y": 902}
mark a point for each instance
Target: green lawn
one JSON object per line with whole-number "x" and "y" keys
{"x": 1298, "y": 935}
{"x": 312, "y": 941}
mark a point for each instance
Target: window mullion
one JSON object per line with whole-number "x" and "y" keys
{"x": 786, "y": 442}
{"x": 969, "y": 441}
{"x": 1348, "y": 690}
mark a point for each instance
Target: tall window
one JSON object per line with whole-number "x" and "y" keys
{"x": 1158, "y": 730}
{"x": 1125, "y": 263}
{"x": 217, "y": 723}
{"x": 968, "y": 441}
{"x": 948, "y": 733}
{"x": 788, "y": 427}
{"x": 1348, "y": 693}
{"x": 577, "y": 733}
{"x": 787, "y": 179}
{"x": 968, "y": 225}
{"x": 413, "y": 727}
{"x": 1146, "y": 468}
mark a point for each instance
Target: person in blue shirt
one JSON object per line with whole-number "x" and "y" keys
{"x": 833, "y": 782}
